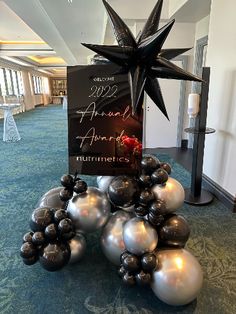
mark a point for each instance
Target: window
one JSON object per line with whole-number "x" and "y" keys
{"x": 10, "y": 82}
{"x": 37, "y": 83}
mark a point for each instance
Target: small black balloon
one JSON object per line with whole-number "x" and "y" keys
{"x": 27, "y": 250}
{"x": 155, "y": 220}
{"x": 129, "y": 279}
{"x": 131, "y": 263}
{"x": 159, "y": 176}
{"x": 55, "y": 256}
{"x": 59, "y": 215}
{"x": 67, "y": 181}
{"x": 174, "y": 231}
{"x": 149, "y": 164}
{"x": 51, "y": 232}
{"x": 145, "y": 180}
{"x": 68, "y": 236}
{"x": 158, "y": 208}
{"x": 31, "y": 260}
{"x": 123, "y": 256}
{"x": 65, "y": 226}
{"x": 65, "y": 194}
{"x": 166, "y": 167}
{"x": 41, "y": 218}
{"x": 148, "y": 262}
{"x": 38, "y": 238}
{"x": 80, "y": 187}
{"x": 141, "y": 211}
{"x": 143, "y": 278}
{"x": 28, "y": 237}
{"x": 146, "y": 197}
{"x": 121, "y": 271}
{"x": 123, "y": 191}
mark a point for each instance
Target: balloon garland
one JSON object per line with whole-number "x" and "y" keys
{"x": 143, "y": 236}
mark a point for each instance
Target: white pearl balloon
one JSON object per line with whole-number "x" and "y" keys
{"x": 77, "y": 247}
{"x": 178, "y": 277}
{"x": 139, "y": 236}
{"x": 172, "y": 193}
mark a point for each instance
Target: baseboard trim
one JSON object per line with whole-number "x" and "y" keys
{"x": 227, "y": 199}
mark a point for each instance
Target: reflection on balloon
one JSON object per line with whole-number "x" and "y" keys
{"x": 178, "y": 278}
{"x": 139, "y": 236}
{"x": 89, "y": 211}
{"x": 77, "y": 247}
{"x": 172, "y": 193}
{"x": 112, "y": 242}
{"x": 104, "y": 182}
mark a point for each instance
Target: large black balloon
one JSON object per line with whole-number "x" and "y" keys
{"x": 123, "y": 191}
{"x": 41, "y": 218}
{"x": 174, "y": 231}
{"x": 54, "y": 256}
{"x": 144, "y": 59}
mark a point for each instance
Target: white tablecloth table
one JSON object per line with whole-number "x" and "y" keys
{"x": 10, "y": 132}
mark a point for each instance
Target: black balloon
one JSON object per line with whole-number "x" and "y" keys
{"x": 40, "y": 218}
{"x": 51, "y": 232}
{"x": 27, "y": 250}
{"x": 146, "y": 197}
{"x": 144, "y": 180}
{"x": 67, "y": 181}
{"x": 131, "y": 263}
{"x": 148, "y": 262}
{"x": 149, "y": 164}
{"x": 174, "y": 231}
{"x": 143, "y": 278}
{"x": 28, "y": 237}
{"x": 59, "y": 215}
{"x": 65, "y": 194}
{"x": 166, "y": 167}
{"x": 123, "y": 191}
{"x": 123, "y": 256}
{"x": 129, "y": 279}
{"x": 80, "y": 186}
{"x": 31, "y": 260}
{"x": 65, "y": 226}
{"x": 159, "y": 176}
{"x": 141, "y": 211}
{"x": 143, "y": 59}
{"x": 38, "y": 238}
{"x": 158, "y": 208}
{"x": 68, "y": 235}
{"x": 155, "y": 220}
{"x": 54, "y": 256}
{"x": 121, "y": 271}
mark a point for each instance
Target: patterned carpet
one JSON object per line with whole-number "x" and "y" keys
{"x": 34, "y": 165}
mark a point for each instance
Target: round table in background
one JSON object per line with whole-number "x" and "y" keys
{"x": 10, "y": 132}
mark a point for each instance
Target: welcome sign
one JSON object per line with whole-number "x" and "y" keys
{"x": 104, "y": 137}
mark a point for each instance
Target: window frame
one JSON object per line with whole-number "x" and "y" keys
{"x": 37, "y": 85}
{"x": 9, "y": 84}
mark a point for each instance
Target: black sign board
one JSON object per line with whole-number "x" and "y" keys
{"x": 104, "y": 137}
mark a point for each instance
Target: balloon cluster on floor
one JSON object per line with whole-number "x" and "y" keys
{"x": 143, "y": 237}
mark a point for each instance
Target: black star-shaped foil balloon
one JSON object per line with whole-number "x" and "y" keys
{"x": 143, "y": 58}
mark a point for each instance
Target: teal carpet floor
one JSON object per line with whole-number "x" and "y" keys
{"x": 31, "y": 167}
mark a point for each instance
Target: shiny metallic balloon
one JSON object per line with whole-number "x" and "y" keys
{"x": 139, "y": 236}
{"x": 77, "y": 247}
{"x": 112, "y": 242}
{"x": 89, "y": 211}
{"x": 104, "y": 182}
{"x": 178, "y": 277}
{"x": 172, "y": 193}
{"x": 51, "y": 199}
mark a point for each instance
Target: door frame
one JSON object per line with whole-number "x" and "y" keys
{"x": 182, "y": 105}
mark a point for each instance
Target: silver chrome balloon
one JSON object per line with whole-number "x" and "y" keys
{"x": 139, "y": 236}
{"x": 178, "y": 277}
{"x": 104, "y": 182}
{"x": 172, "y": 193}
{"x": 51, "y": 199}
{"x": 77, "y": 247}
{"x": 112, "y": 242}
{"x": 89, "y": 211}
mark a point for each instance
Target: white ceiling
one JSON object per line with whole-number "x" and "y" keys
{"x": 64, "y": 25}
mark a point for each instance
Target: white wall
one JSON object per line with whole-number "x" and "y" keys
{"x": 202, "y": 28}
{"x": 220, "y": 149}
